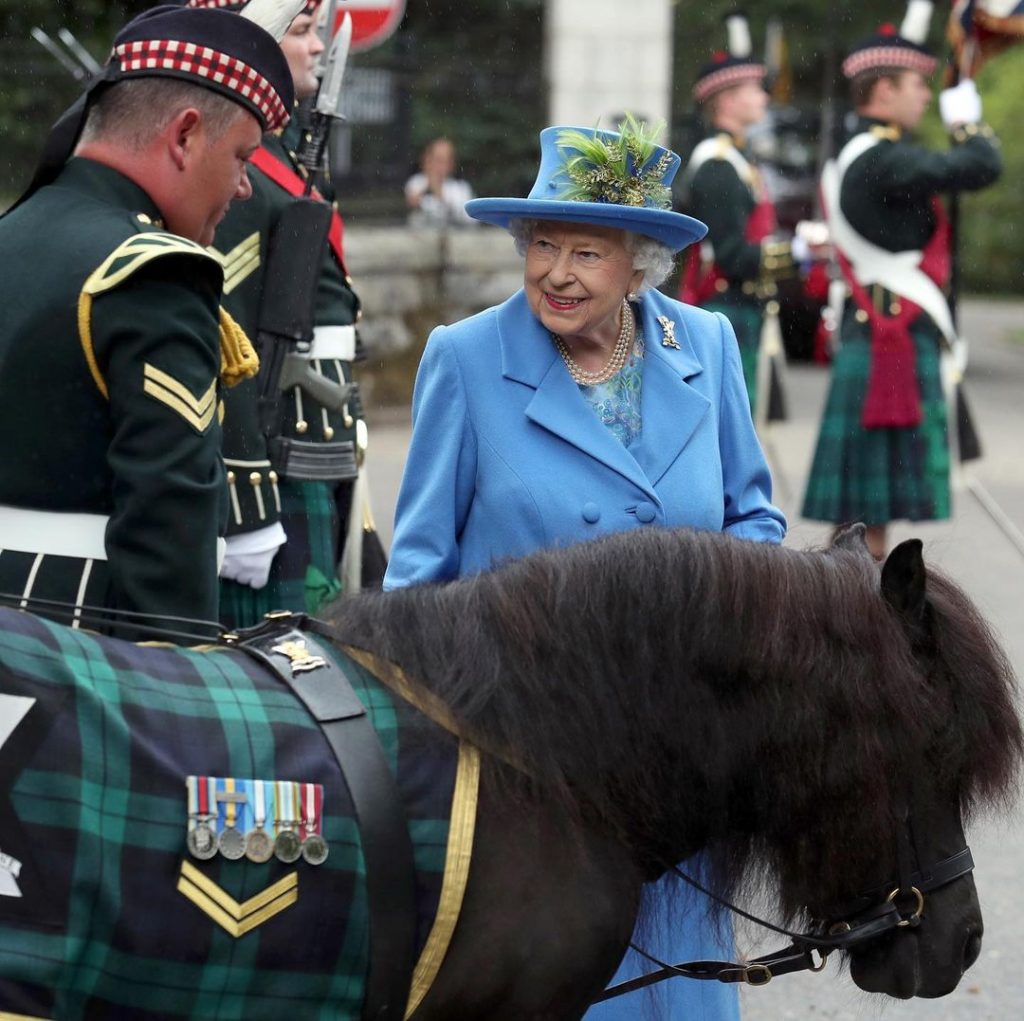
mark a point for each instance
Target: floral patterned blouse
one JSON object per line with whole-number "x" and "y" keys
{"x": 617, "y": 401}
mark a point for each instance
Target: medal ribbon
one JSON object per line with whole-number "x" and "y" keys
{"x": 284, "y": 809}
{"x": 259, "y": 808}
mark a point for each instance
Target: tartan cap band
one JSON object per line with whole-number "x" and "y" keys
{"x": 212, "y": 47}
{"x": 220, "y": 70}
{"x": 725, "y": 77}
{"x": 891, "y": 55}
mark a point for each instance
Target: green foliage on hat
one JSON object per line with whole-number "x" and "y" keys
{"x": 617, "y": 171}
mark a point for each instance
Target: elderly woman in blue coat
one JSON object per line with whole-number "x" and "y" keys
{"x": 588, "y": 403}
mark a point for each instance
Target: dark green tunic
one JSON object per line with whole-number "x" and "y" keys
{"x": 880, "y": 475}
{"x": 313, "y": 514}
{"x": 109, "y": 361}
{"x": 726, "y": 201}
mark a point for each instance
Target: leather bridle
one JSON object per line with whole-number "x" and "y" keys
{"x": 867, "y": 916}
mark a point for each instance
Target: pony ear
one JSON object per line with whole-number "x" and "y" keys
{"x": 851, "y": 538}
{"x": 903, "y": 580}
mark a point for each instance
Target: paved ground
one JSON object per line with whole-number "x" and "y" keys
{"x": 972, "y": 548}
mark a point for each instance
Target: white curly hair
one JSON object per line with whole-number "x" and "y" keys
{"x": 652, "y": 257}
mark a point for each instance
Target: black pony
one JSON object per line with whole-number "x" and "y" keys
{"x": 669, "y": 691}
{"x": 818, "y": 724}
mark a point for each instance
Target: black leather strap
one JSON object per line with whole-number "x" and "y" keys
{"x": 390, "y": 871}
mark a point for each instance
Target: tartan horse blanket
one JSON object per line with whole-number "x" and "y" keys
{"x": 105, "y": 909}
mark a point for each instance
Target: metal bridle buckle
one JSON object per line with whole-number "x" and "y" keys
{"x": 763, "y": 972}
{"x": 915, "y": 917}
{"x": 820, "y": 966}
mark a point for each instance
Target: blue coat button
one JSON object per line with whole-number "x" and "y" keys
{"x": 645, "y": 512}
{"x": 591, "y": 513}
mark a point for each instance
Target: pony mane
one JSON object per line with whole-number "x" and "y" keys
{"x": 690, "y": 690}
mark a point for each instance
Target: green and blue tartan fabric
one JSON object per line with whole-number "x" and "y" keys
{"x": 747, "y": 317}
{"x": 93, "y": 805}
{"x": 304, "y": 573}
{"x": 880, "y": 475}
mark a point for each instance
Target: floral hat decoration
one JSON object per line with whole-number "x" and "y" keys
{"x": 617, "y": 179}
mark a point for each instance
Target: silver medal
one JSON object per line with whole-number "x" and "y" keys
{"x": 287, "y": 846}
{"x": 231, "y": 843}
{"x": 201, "y": 841}
{"x": 314, "y": 849}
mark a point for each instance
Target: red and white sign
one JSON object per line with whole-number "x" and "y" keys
{"x": 373, "y": 21}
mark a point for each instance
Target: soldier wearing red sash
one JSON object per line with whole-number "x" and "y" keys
{"x": 883, "y": 452}
{"x": 734, "y": 271}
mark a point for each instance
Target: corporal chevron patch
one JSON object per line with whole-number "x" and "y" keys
{"x": 117, "y": 267}
{"x": 134, "y": 253}
{"x": 233, "y": 917}
{"x": 240, "y": 263}
{"x": 197, "y": 411}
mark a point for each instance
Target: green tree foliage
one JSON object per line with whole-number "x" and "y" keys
{"x": 992, "y": 221}
{"x": 34, "y": 88}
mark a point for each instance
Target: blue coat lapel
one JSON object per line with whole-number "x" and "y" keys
{"x": 671, "y": 408}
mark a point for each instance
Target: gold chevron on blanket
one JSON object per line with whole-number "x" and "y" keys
{"x": 240, "y": 262}
{"x": 197, "y": 411}
{"x": 234, "y": 918}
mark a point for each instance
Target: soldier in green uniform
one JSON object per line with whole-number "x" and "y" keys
{"x": 735, "y": 269}
{"x": 291, "y": 492}
{"x": 883, "y": 451}
{"x": 113, "y": 347}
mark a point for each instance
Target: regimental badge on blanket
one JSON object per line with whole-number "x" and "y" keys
{"x": 255, "y": 819}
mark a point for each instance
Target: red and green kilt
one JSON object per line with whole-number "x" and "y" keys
{"x": 746, "y": 317}
{"x": 304, "y": 574}
{"x": 886, "y": 474}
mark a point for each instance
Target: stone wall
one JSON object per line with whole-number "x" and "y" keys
{"x": 410, "y": 280}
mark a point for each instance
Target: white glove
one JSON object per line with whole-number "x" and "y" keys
{"x": 248, "y": 556}
{"x": 960, "y": 104}
{"x": 807, "y": 242}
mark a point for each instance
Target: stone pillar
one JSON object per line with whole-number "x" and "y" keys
{"x": 604, "y": 57}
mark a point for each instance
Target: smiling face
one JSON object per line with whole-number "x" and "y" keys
{"x": 576, "y": 277}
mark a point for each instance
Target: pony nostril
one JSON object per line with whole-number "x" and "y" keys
{"x": 972, "y": 949}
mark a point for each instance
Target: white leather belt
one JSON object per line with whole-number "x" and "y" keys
{"x": 53, "y": 533}
{"x": 334, "y": 342}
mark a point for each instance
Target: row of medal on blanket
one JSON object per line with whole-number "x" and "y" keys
{"x": 256, "y": 819}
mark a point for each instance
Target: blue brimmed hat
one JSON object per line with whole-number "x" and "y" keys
{"x": 614, "y": 179}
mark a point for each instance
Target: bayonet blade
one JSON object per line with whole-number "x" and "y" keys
{"x": 325, "y": 29}
{"x": 328, "y": 100}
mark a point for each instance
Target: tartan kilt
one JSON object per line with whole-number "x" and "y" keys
{"x": 746, "y": 317}
{"x": 93, "y": 811}
{"x": 883, "y": 474}
{"x": 304, "y": 574}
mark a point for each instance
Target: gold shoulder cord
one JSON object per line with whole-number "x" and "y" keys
{"x": 129, "y": 256}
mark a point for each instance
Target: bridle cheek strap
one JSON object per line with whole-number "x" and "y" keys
{"x": 867, "y": 918}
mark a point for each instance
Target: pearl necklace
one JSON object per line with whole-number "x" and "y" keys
{"x": 619, "y": 356}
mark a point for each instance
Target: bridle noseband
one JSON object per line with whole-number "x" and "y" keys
{"x": 866, "y": 917}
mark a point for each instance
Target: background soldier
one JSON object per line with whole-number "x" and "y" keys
{"x": 734, "y": 271}
{"x": 290, "y": 485}
{"x": 883, "y": 451}
{"x": 112, "y": 342}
